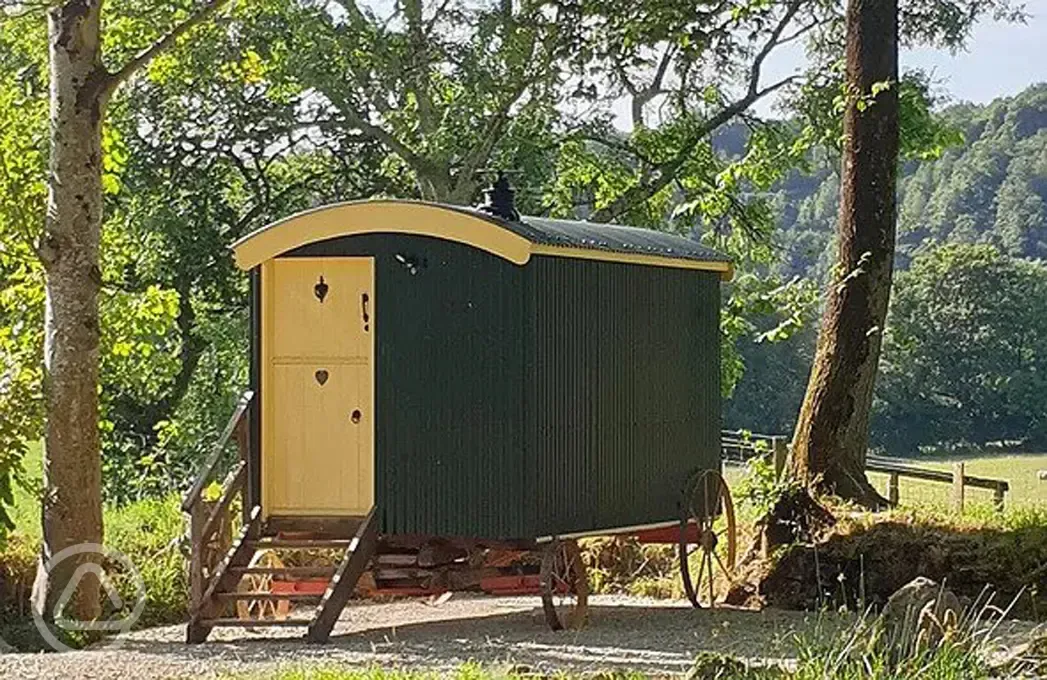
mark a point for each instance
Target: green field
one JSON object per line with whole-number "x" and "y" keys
{"x": 1019, "y": 470}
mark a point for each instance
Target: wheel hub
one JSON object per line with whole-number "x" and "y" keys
{"x": 708, "y": 540}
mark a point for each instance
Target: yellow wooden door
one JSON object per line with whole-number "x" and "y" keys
{"x": 318, "y": 386}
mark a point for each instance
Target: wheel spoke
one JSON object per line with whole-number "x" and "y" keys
{"x": 701, "y": 570}
{"x": 705, "y": 497}
{"x": 726, "y": 571}
{"x": 708, "y": 500}
{"x": 564, "y": 595}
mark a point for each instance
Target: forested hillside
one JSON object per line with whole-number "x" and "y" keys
{"x": 989, "y": 190}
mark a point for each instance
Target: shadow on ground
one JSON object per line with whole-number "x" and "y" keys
{"x": 503, "y": 632}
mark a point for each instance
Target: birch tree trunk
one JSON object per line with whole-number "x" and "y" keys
{"x": 832, "y": 433}
{"x": 72, "y": 505}
{"x": 80, "y": 88}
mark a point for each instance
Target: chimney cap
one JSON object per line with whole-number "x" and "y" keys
{"x": 500, "y": 199}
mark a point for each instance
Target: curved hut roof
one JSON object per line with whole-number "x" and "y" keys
{"x": 513, "y": 240}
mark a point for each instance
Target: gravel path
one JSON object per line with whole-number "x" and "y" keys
{"x": 652, "y": 636}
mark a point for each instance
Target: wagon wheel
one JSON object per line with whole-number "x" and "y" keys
{"x": 565, "y": 585}
{"x": 261, "y": 610}
{"x": 707, "y": 505}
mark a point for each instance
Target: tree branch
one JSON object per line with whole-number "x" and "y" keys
{"x": 772, "y": 42}
{"x": 612, "y": 144}
{"x": 481, "y": 151}
{"x": 245, "y": 220}
{"x": 383, "y": 136}
{"x": 666, "y": 172}
{"x": 437, "y": 13}
{"x": 204, "y": 12}
{"x": 352, "y": 10}
{"x": 419, "y": 76}
{"x": 642, "y": 97}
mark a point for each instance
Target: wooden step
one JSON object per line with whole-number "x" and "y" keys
{"x": 302, "y": 543}
{"x": 241, "y": 623}
{"x": 303, "y": 572}
{"x": 383, "y": 574}
{"x": 397, "y": 559}
{"x": 267, "y": 596}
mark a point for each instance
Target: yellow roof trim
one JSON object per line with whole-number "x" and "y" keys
{"x": 420, "y": 219}
{"x": 726, "y": 269}
{"x": 371, "y": 217}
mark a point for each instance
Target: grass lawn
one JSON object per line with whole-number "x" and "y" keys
{"x": 145, "y": 531}
{"x": 26, "y": 510}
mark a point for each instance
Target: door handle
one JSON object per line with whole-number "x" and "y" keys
{"x": 364, "y": 299}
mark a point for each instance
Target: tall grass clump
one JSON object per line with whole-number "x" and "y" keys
{"x": 148, "y": 532}
{"x": 919, "y": 647}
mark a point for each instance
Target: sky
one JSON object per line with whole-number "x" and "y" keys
{"x": 1001, "y": 59}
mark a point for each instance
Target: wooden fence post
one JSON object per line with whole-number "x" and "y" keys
{"x": 781, "y": 452}
{"x": 892, "y": 488}
{"x": 958, "y": 487}
{"x": 997, "y": 496}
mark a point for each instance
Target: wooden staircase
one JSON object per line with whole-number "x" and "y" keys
{"x": 217, "y": 584}
{"x": 225, "y": 589}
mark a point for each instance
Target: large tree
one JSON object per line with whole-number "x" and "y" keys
{"x": 81, "y": 85}
{"x": 965, "y": 354}
{"x": 832, "y": 432}
{"x": 450, "y": 89}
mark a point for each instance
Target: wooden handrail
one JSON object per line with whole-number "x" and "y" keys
{"x": 193, "y": 495}
{"x": 233, "y": 483}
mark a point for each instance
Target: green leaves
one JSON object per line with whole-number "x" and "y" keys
{"x": 965, "y": 352}
{"x": 925, "y": 134}
{"x": 23, "y": 149}
{"x": 114, "y": 159}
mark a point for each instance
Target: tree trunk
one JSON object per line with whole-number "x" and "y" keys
{"x": 72, "y": 506}
{"x": 832, "y": 433}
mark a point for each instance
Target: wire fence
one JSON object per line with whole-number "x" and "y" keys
{"x": 737, "y": 447}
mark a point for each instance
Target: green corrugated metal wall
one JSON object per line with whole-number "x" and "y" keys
{"x": 626, "y": 391}
{"x": 513, "y": 402}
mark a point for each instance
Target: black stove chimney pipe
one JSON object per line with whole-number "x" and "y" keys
{"x": 499, "y": 200}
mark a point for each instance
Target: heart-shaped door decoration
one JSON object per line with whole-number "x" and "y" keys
{"x": 321, "y": 376}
